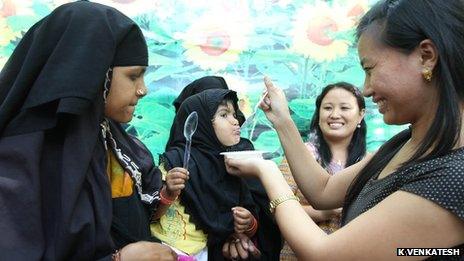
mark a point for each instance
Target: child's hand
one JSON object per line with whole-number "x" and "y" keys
{"x": 175, "y": 181}
{"x": 243, "y": 219}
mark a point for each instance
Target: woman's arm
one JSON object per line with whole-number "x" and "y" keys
{"x": 322, "y": 190}
{"x": 401, "y": 220}
{"x": 316, "y": 215}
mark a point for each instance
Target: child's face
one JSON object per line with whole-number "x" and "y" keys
{"x": 225, "y": 125}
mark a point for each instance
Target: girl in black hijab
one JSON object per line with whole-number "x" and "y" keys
{"x": 55, "y": 140}
{"x": 210, "y": 193}
{"x": 207, "y": 83}
{"x": 268, "y": 235}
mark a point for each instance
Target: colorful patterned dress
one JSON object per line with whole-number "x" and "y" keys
{"x": 328, "y": 226}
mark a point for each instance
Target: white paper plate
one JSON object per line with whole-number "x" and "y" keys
{"x": 246, "y": 154}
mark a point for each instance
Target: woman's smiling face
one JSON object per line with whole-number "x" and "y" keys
{"x": 339, "y": 114}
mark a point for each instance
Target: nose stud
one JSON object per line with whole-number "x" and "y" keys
{"x": 141, "y": 92}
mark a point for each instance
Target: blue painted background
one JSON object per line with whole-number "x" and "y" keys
{"x": 301, "y": 45}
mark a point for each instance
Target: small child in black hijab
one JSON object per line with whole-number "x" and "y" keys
{"x": 202, "y": 215}
{"x": 268, "y": 235}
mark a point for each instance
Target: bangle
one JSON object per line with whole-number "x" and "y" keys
{"x": 116, "y": 256}
{"x": 165, "y": 200}
{"x": 277, "y": 201}
{"x": 252, "y": 229}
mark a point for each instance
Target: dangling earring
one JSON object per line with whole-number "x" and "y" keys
{"x": 427, "y": 74}
{"x": 358, "y": 126}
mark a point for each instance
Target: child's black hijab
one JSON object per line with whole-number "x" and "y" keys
{"x": 268, "y": 234}
{"x": 201, "y": 84}
{"x": 54, "y": 192}
{"x": 211, "y": 192}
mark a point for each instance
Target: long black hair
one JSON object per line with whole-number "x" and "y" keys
{"x": 403, "y": 24}
{"x": 357, "y": 146}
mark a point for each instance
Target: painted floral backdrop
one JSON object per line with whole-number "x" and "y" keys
{"x": 302, "y": 45}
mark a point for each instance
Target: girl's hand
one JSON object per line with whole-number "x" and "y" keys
{"x": 175, "y": 181}
{"x": 243, "y": 219}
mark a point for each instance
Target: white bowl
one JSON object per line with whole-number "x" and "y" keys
{"x": 245, "y": 154}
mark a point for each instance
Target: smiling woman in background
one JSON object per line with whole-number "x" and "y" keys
{"x": 337, "y": 141}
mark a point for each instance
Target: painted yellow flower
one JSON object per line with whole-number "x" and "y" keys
{"x": 3, "y": 61}
{"x": 131, "y": 8}
{"x": 215, "y": 41}
{"x": 314, "y": 30}
{"x": 237, "y": 84}
{"x": 6, "y": 33}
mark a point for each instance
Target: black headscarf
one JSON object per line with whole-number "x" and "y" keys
{"x": 211, "y": 192}
{"x": 268, "y": 234}
{"x": 132, "y": 214}
{"x": 54, "y": 191}
{"x": 205, "y": 83}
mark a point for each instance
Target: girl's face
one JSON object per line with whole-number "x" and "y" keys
{"x": 225, "y": 125}
{"x": 339, "y": 114}
{"x": 127, "y": 87}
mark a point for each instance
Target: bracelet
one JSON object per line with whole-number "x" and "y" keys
{"x": 165, "y": 200}
{"x": 252, "y": 229}
{"x": 116, "y": 256}
{"x": 275, "y": 202}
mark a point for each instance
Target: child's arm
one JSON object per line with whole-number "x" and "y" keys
{"x": 244, "y": 222}
{"x": 175, "y": 182}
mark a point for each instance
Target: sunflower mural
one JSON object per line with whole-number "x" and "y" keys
{"x": 215, "y": 40}
{"x": 315, "y": 29}
{"x": 302, "y": 45}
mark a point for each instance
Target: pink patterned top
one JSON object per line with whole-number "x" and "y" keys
{"x": 329, "y": 226}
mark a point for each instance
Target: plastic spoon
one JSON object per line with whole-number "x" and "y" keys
{"x": 253, "y": 114}
{"x": 190, "y": 126}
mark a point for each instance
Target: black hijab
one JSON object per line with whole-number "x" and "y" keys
{"x": 201, "y": 84}
{"x": 269, "y": 238}
{"x": 211, "y": 192}
{"x": 54, "y": 191}
{"x": 132, "y": 214}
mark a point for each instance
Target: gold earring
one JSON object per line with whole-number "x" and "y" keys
{"x": 427, "y": 74}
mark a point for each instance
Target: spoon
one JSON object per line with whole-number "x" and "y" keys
{"x": 190, "y": 126}
{"x": 253, "y": 114}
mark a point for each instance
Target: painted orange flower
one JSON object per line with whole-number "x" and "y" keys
{"x": 353, "y": 9}
{"x": 213, "y": 42}
{"x": 314, "y": 32}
